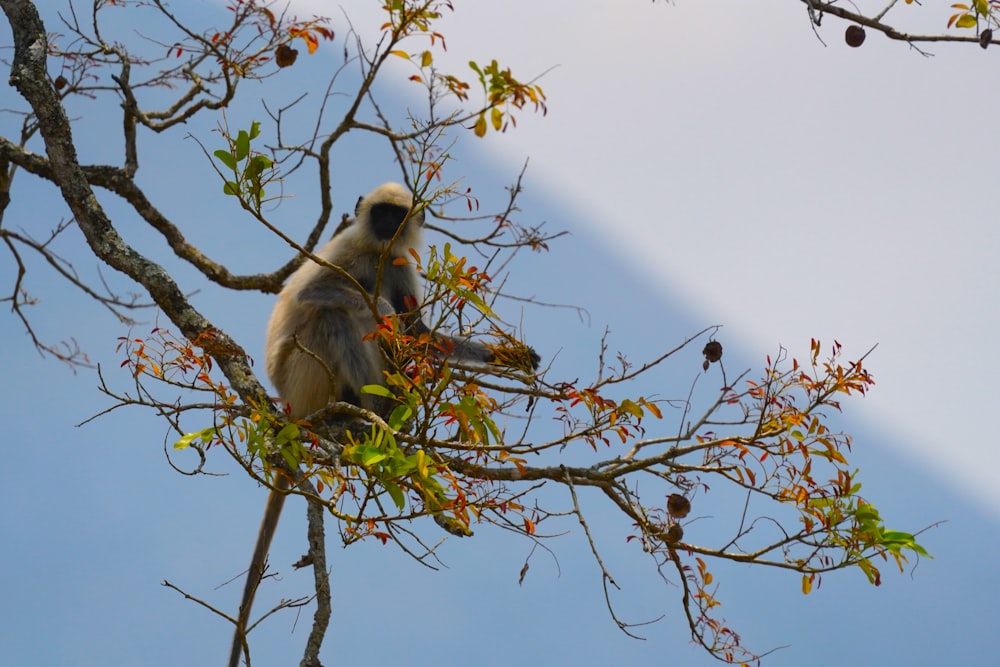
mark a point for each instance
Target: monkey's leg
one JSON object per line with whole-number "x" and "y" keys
{"x": 268, "y": 524}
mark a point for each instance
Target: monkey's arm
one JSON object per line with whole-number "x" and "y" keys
{"x": 514, "y": 355}
{"x": 334, "y": 294}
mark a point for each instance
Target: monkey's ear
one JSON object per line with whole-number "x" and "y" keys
{"x": 357, "y": 207}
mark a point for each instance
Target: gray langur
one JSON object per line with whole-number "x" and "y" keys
{"x": 316, "y": 351}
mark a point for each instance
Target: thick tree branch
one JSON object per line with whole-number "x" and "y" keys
{"x": 29, "y": 76}
{"x": 118, "y": 181}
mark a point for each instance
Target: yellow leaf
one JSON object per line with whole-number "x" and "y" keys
{"x": 497, "y": 117}
{"x": 480, "y": 127}
{"x": 401, "y": 54}
{"x": 652, "y": 407}
{"x": 426, "y": 59}
{"x": 807, "y": 584}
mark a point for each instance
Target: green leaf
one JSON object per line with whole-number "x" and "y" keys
{"x": 188, "y": 438}
{"x": 230, "y": 188}
{"x": 966, "y": 21}
{"x": 290, "y": 458}
{"x": 257, "y": 166}
{"x": 255, "y": 129}
{"x": 628, "y": 406}
{"x": 897, "y": 536}
{"x": 242, "y": 145}
{"x": 396, "y": 494}
{"x": 491, "y": 425}
{"x": 369, "y": 456}
{"x": 289, "y": 433}
{"x": 377, "y": 390}
{"x": 897, "y": 540}
{"x": 402, "y": 466}
{"x": 400, "y": 415}
{"x": 226, "y": 158}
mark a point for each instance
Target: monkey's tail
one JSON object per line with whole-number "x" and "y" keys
{"x": 268, "y": 524}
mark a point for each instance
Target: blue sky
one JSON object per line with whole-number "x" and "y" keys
{"x": 717, "y": 153}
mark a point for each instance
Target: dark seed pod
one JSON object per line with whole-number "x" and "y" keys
{"x": 674, "y": 534}
{"x": 678, "y": 506}
{"x": 712, "y": 351}
{"x": 285, "y": 56}
{"x": 985, "y": 37}
{"x": 854, "y": 35}
{"x": 61, "y": 81}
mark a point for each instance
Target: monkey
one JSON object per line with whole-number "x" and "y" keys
{"x": 323, "y": 312}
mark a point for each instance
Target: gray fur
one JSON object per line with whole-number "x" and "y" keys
{"x": 320, "y": 310}
{"x": 325, "y": 313}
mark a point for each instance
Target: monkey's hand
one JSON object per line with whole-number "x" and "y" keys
{"x": 516, "y": 356}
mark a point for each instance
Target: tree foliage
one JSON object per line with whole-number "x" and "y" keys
{"x": 464, "y": 447}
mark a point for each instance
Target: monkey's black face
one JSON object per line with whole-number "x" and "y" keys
{"x": 386, "y": 219}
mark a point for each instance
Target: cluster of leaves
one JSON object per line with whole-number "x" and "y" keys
{"x": 442, "y": 413}
{"x": 780, "y": 459}
{"x": 272, "y": 40}
{"x": 980, "y": 15}
{"x": 502, "y": 91}
{"x": 250, "y": 170}
{"x": 789, "y": 456}
{"x": 443, "y": 453}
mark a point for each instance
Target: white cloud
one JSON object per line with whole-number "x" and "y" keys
{"x": 787, "y": 189}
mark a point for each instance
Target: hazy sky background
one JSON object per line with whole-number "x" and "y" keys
{"x": 745, "y": 173}
{"x": 783, "y": 188}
